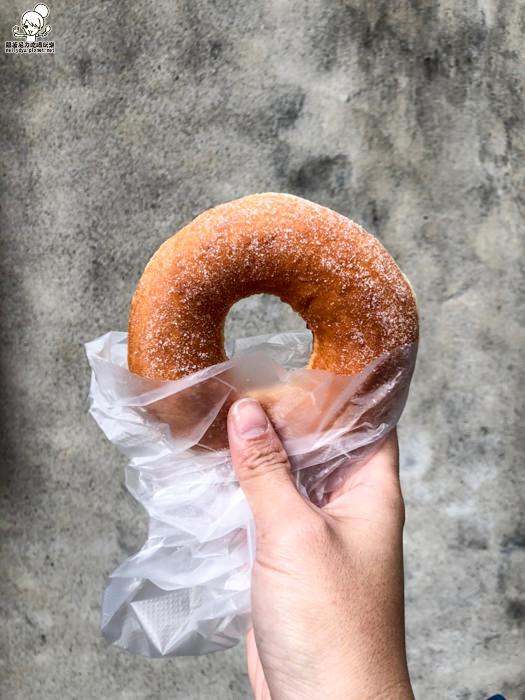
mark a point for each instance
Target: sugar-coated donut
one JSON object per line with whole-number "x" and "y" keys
{"x": 339, "y": 278}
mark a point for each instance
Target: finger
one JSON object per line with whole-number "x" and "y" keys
{"x": 372, "y": 488}
{"x": 381, "y": 468}
{"x": 385, "y": 462}
{"x": 262, "y": 467}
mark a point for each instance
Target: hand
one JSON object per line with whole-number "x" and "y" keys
{"x": 327, "y": 583}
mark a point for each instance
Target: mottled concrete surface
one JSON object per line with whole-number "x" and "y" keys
{"x": 406, "y": 116}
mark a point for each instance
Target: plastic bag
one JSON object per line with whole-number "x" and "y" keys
{"x": 187, "y": 591}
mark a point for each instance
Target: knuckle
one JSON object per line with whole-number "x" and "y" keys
{"x": 396, "y": 500}
{"x": 393, "y": 503}
{"x": 401, "y": 511}
{"x": 264, "y": 457}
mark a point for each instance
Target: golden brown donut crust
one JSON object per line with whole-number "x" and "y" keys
{"x": 339, "y": 278}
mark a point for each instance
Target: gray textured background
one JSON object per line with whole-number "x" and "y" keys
{"x": 406, "y": 116}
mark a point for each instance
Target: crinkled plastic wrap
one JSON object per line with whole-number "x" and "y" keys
{"x": 187, "y": 591}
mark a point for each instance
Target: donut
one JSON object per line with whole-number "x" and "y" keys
{"x": 336, "y": 276}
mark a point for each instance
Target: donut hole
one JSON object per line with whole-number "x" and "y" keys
{"x": 260, "y": 314}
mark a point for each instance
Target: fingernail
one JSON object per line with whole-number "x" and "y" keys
{"x": 249, "y": 420}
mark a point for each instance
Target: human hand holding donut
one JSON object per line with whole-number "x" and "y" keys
{"x": 327, "y": 583}
{"x": 327, "y": 587}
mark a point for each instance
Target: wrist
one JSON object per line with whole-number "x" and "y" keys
{"x": 343, "y": 686}
{"x": 400, "y": 689}
{"x": 378, "y": 685}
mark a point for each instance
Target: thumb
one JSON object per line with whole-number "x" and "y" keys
{"x": 261, "y": 466}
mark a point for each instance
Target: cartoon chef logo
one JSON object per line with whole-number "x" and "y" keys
{"x": 33, "y": 24}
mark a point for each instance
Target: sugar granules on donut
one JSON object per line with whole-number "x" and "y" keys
{"x": 246, "y": 247}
